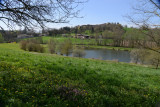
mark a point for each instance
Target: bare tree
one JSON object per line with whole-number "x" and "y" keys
{"x": 154, "y": 59}
{"x": 139, "y": 55}
{"x": 31, "y": 13}
{"x": 146, "y": 15}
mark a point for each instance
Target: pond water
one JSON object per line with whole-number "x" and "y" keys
{"x": 108, "y": 54}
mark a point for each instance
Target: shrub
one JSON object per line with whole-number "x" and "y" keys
{"x": 23, "y": 45}
{"x": 31, "y": 45}
{"x": 41, "y": 49}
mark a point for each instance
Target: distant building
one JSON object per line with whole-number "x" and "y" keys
{"x": 22, "y": 36}
{"x": 81, "y": 36}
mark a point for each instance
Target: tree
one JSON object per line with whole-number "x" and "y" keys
{"x": 154, "y": 59}
{"x": 135, "y": 54}
{"x": 66, "y": 47}
{"x": 139, "y": 55}
{"x": 118, "y": 32}
{"x": 145, "y": 15}
{"x": 31, "y": 13}
{"x": 132, "y": 36}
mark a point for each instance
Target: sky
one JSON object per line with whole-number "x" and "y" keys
{"x": 102, "y": 11}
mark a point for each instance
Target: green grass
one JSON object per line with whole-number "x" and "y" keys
{"x": 41, "y": 79}
{"x": 91, "y": 43}
{"x": 74, "y": 40}
{"x": 109, "y": 47}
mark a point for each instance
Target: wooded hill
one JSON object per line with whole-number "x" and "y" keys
{"x": 89, "y": 29}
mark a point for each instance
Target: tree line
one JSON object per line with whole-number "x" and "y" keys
{"x": 113, "y": 34}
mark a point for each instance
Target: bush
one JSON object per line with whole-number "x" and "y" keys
{"x": 23, "y": 45}
{"x": 31, "y": 45}
{"x": 41, "y": 49}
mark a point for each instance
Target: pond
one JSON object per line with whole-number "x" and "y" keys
{"x": 108, "y": 54}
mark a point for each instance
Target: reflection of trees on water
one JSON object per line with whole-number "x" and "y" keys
{"x": 108, "y": 54}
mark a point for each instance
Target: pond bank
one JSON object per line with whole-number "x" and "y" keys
{"x": 104, "y": 47}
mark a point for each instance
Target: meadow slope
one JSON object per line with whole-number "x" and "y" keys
{"x": 41, "y": 79}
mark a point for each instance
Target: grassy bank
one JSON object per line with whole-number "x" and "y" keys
{"x": 34, "y": 79}
{"x": 107, "y": 47}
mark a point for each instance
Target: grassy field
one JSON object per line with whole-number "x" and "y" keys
{"x": 91, "y": 43}
{"x": 74, "y": 40}
{"x": 41, "y": 79}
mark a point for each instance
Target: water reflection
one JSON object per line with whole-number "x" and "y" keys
{"x": 108, "y": 54}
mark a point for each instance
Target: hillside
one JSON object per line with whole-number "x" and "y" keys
{"x": 41, "y": 79}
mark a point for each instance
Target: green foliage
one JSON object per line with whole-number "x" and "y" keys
{"x": 75, "y": 41}
{"x": 107, "y": 34}
{"x": 66, "y": 47}
{"x": 88, "y": 32}
{"x": 29, "y": 79}
{"x": 23, "y": 44}
{"x": 134, "y": 34}
{"x": 31, "y": 45}
{"x": 88, "y": 29}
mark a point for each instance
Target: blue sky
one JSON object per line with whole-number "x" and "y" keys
{"x": 103, "y": 11}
